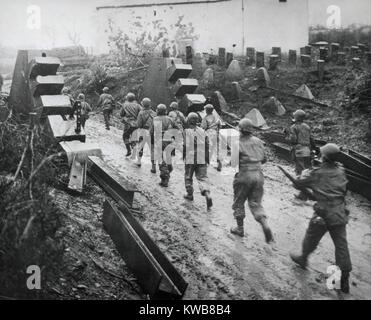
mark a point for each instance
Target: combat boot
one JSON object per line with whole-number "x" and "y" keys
{"x": 344, "y": 282}
{"x": 300, "y": 260}
{"x": 128, "y": 149}
{"x": 239, "y": 229}
{"x": 267, "y": 231}
{"x": 164, "y": 183}
{"x": 189, "y": 196}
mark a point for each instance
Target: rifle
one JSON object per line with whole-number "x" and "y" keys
{"x": 306, "y": 191}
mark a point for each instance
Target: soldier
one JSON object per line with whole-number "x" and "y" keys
{"x": 299, "y": 136}
{"x": 178, "y": 117}
{"x": 66, "y": 92}
{"x": 248, "y": 183}
{"x": 107, "y": 102}
{"x": 129, "y": 112}
{"x": 211, "y": 124}
{"x": 145, "y": 121}
{"x": 85, "y": 109}
{"x": 196, "y": 140}
{"x": 166, "y": 123}
{"x": 328, "y": 183}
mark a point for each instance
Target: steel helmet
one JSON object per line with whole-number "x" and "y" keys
{"x": 105, "y": 89}
{"x": 174, "y": 105}
{"x": 65, "y": 90}
{"x": 146, "y": 103}
{"x": 161, "y": 109}
{"x": 130, "y": 96}
{"x": 330, "y": 151}
{"x": 81, "y": 96}
{"x": 299, "y": 115}
{"x": 245, "y": 125}
{"x": 209, "y": 108}
{"x": 193, "y": 118}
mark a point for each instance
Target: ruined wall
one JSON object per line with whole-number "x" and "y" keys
{"x": 209, "y": 25}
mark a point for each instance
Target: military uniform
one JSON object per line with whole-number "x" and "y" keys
{"x": 328, "y": 183}
{"x": 106, "y": 101}
{"x": 85, "y": 109}
{"x": 248, "y": 183}
{"x": 211, "y": 124}
{"x": 300, "y": 139}
{"x": 129, "y": 112}
{"x": 165, "y": 165}
{"x": 145, "y": 121}
{"x": 178, "y": 118}
{"x": 198, "y": 154}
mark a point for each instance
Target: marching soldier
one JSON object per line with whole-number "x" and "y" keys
{"x": 85, "y": 109}
{"x": 248, "y": 183}
{"x": 178, "y": 117}
{"x": 106, "y": 101}
{"x": 299, "y": 136}
{"x": 145, "y": 121}
{"x": 196, "y": 140}
{"x": 328, "y": 183}
{"x": 211, "y": 124}
{"x": 129, "y": 112}
{"x": 166, "y": 123}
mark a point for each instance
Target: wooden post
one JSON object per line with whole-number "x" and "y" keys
{"x": 273, "y": 61}
{"x": 229, "y": 58}
{"x": 221, "y": 57}
{"x": 292, "y": 57}
{"x": 189, "y": 55}
{"x": 306, "y": 61}
{"x": 277, "y": 51}
{"x": 259, "y": 59}
{"x": 250, "y": 56}
{"x": 321, "y": 69}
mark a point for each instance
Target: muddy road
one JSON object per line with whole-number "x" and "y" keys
{"x": 218, "y": 265}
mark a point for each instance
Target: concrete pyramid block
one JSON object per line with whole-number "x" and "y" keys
{"x": 208, "y": 77}
{"x": 274, "y": 106}
{"x": 257, "y": 119}
{"x": 262, "y": 77}
{"x": 304, "y": 92}
{"x": 234, "y": 71}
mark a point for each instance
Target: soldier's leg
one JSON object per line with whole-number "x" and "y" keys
{"x": 126, "y": 138}
{"x": 106, "y": 118}
{"x": 342, "y": 256}
{"x": 188, "y": 180}
{"x": 316, "y": 230}
{"x": 255, "y": 197}
{"x": 153, "y": 169}
{"x": 164, "y": 168}
{"x": 240, "y": 193}
{"x": 201, "y": 175}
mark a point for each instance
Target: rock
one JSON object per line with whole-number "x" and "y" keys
{"x": 234, "y": 71}
{"x": 328, "y": 122}
{"x": 304, "y": 92}
{"x": 208, "y": 78}
{"x": 82, "y": 287}
{"x": 273, "y": 105}
{"x": 262, "y": 77}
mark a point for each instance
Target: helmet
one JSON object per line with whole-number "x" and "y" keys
{"x": 81, "y": 96}
{"x": 161, "y": 110}
{"x": 65, "y": 90}
{"x": 209, "y": 108}
{"x": 174, "y": 105}
{"x": 146, "y": 103}
{"x": 330, "y": 151}
{"x": 193, "y": 118}
{"x": 245, "y": 125}
{"x": 130, "y": 96}
{"x": 299, "y": 115}
{"x": 105, "y": 89}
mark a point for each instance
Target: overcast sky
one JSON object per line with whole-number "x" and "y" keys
{"x": 63, "y": 19}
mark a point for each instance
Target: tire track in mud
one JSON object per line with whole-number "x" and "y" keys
{"x": 216, "y": 264}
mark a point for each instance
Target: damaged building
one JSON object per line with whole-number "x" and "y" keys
{"x": 206, "y": 25}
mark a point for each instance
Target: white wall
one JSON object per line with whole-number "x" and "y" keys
{"x": 262, "y": 24}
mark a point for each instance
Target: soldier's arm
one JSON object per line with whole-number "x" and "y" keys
{"x": 140, "y": 121}
{"x": 204, "y": 124}
{"x": 307, "y": 179}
